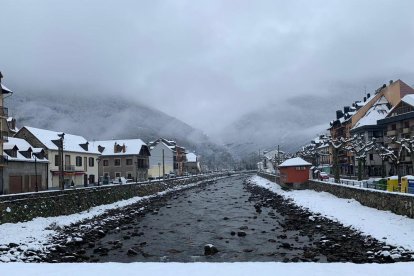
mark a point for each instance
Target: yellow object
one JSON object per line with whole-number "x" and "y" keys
{"x": 404, "y": 184}
{"x": 392, "y": 184}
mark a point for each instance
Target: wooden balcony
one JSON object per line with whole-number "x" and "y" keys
{"x": 391, "y": 132}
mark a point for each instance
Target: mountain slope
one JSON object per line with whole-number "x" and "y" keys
{"x": 111, "y": 118}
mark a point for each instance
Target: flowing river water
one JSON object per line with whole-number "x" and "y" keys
{"x": 243, "y": 222}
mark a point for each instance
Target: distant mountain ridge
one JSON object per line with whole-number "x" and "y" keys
{"x": 110, "y": 118}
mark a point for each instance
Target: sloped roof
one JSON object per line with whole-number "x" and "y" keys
{"x": 294, "y": 162}
{"x": 5, "y": 89}
{"x": 71, "y": 142}
{"x": 408, "y": 99}
{"x": 22, "y": 145}
{"x": 378, "y": 111}
{"x": 132, "y": 146}
{"x": 191, "y": 157}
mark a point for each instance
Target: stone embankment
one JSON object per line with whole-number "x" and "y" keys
{"x": 398, "y": 203}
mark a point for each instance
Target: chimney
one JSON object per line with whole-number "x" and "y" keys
{"x": 391, "y": 81}
{"x": 115, "y": 148}
{"x": 368, "y": 95}
{"x": 123, "y": 148}
{"x": 365, "y": 99}
{"x": 339, "y": 114}
{"x": 346, "y": 109}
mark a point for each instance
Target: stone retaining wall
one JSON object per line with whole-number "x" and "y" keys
{"x": 24, "y": 207}
{"x": 398, "y": 203}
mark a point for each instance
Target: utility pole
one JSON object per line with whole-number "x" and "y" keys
{"x": 36, "y": 185}
{"x": 163, "y": 163}
{"x": 62, "y": 178}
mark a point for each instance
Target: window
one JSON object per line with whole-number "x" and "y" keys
{"x": 129, "y": 162}
{"x": 406, "y": 124}
{"x": 129, "y": 175}
{"x": 393, "y": 127}
{"x": 105, "y": 163}
{"x": 78, "y": 161}
{"x": 371, "y": 156}
{"x": 117, "y": 174}
{"x": 300, "y": 168}
{"x": 91, "y": 161}
{"x": 57, "y": 160}
{"x": 117, "y": 162}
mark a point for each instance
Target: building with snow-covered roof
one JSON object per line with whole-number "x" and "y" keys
{"x": 27, "y": 167}
{"x": 78, "y": 161}
{"x": 294, "y": 172}
{"x": 398, "y": 124}
{"x": 4, "y": 134}
{"x": 192, "y": 165}
{"x": 362, "y": 114}
{"x": 127, "y": 158}
{"x": 166, "y": 157}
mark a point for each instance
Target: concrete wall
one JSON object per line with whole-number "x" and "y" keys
{"x": 23, "y": 207}
{"x": 25, "y": 169}
{"x": 398, "y": 203}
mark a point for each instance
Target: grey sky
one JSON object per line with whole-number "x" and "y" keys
{"x": 207, "y": 62}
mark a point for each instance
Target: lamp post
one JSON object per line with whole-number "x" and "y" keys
{"x": 159, "y": 170}
{"x": 36, "y": 184}
{"x": 98, "y": 160}
{"x": 62, "y": 178}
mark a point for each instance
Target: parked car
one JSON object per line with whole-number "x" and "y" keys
{"x": 323, "y": 176}
{"x": 120, "y": 180}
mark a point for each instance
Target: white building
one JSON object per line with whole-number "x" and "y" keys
{"x": 162, "y": 159}
{"x": 79, "y": 159}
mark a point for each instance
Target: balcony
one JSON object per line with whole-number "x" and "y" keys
{"x": 407, "y": 159}
{"x": 406, "y": 130}
{"x": 4, "y": 136}
{"x": 391, "y": 132}
{"x": 70, "y": 168}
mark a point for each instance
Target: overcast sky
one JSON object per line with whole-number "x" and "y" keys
{"x": 207, "y": 62}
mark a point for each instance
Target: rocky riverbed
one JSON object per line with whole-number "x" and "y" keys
{"x": 224, "y": 221}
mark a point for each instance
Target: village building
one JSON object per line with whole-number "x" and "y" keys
{"x": 162, "y": 159}
{"x": 399, "y": 123}
{"x": 4, "y": 133}
{"x": 74, "y": 164}
{"x": 27, "y": 167}
{"x": 347, "y": 120}
{"x": 166, "y": 157}
{"x": 294, "y": 172}
{"x": 192, "y": 166}
{"x": 128, "y": 158}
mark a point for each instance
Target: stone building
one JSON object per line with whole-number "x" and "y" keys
{"x": 123, "y": 158}
{"x": 192, "y": 166}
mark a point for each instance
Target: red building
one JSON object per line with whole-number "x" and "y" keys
{"x": 294, "y": 172}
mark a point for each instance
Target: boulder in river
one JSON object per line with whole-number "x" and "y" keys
{"x": 210, "y": 249}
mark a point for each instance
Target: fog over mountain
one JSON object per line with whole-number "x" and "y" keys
{"x": 111, "y": 118}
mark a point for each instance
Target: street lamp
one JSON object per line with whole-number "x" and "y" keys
{"x": 36, "y": 185}
{"x": 99, "y": 161}
{"x": 62, "y": 177}
{"x": 159, "y": 170}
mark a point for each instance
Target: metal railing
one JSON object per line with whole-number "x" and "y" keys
{"x": 69, "y": 168}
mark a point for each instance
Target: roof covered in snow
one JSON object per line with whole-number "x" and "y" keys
{"x": 71, "y": 142}
{"x": 378, "y": 111}
{"x": 408, "y": 99}
{"x": 294, "y": 162}
{"x": 191, "y": 157}
{"x": 21, "y": 145}
{"x": 132, "y": 146}
{"x": 5, "y": 89}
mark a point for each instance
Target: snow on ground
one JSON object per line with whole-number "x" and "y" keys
{"x": 228, "y": 269}
{"x": 398, "y": 230}
{"x": 35, "y": 233}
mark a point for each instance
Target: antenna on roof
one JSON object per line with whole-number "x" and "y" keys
{"x": 365, "y": 90}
